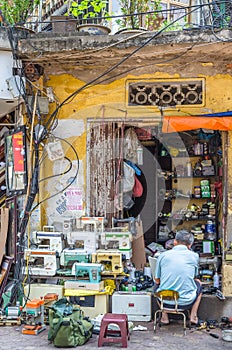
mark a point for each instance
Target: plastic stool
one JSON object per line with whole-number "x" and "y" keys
{"x": 122, "y": 321}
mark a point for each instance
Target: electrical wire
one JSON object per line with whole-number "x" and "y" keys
{"x": 61, "y": 174}
{"x": 71, "y": 182}
{"x": 49, "y": 125}
{"x": 95, "y": 80}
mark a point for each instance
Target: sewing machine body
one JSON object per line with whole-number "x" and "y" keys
{"x": 69, "y": 256}
{"x": 111, "y": 259}
{"x": 42, "y": 262}
{"x": 87, "y": 270}
{"x": 50, "y": 240}
{"x": 120, "y": 240}
{"x": 83, "y": 241}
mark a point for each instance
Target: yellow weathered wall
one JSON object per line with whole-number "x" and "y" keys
{"x": 89, "y": 104}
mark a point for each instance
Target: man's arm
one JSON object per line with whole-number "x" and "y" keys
{"x": 157, "y": 280}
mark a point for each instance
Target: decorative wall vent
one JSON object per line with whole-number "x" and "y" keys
{"x": 165, "y": 94}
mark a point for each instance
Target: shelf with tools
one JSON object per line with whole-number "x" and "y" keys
{"x": 189, "y": 196}
{"x": 190, "y": 188}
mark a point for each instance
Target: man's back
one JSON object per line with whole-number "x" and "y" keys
{"x": 176, "y": 269}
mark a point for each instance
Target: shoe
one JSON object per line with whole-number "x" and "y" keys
{"x": 219, "y": 295}
{"x": 164, "y": 323}
{"x": 199, "y": 324}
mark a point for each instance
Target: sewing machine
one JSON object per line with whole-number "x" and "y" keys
{"x": 111, "y": 259}
{"x": 89, "y": 270}
{"x": 87, "y": 277}
{"x": 83, "y": 241}
{"x": 42, "y": 262}
{"x": 131, "y": 221}
{"x": 34, "y": 317}
{"x": 94, "y": 223}
{"x": 69, "y": 256}
{"x": 48, "y": 239}
{"x": 120, "y": 240}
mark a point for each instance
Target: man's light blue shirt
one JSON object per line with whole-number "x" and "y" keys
{"x": 176, "y": 269}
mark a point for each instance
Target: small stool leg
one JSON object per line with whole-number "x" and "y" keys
{"x": 124, "y": 335}
{"x": 102, "y": 335}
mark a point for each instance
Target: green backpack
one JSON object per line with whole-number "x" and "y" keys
{"x": 67, "y": 325}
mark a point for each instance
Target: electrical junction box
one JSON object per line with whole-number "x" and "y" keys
{"x": 55, "y": 150}
{"x": 42, "y": 104}
{"x": 137, "y": 305}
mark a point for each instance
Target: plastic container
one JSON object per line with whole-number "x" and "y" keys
{"x": 197, "y": 192}
{"x": 216, "y": 280}
{"x": 227, "y": 334}
{"x": 189, "y": 169}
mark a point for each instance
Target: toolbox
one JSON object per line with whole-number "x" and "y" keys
{"x": 137, "y": 305}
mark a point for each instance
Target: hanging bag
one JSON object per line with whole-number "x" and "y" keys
{"x": 138, "y": 188}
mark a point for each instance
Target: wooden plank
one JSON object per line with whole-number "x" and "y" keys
{"x": 4, "y": 231}
{"x": 138, "y": 248}
{"x": 227, "y": 279}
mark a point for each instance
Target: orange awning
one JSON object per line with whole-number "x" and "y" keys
{"x": 184, "y": 123}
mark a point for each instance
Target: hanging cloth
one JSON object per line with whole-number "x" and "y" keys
{"x": 138, "y": 188}
{"x": 184, "y": 123}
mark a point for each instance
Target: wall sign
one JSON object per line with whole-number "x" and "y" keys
{"x": 16, "y": 161}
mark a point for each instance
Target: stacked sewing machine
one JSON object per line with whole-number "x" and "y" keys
{"x": 85, "y": 253}
{"x": 43, "y": 255}
{"x": 82, "y": 250}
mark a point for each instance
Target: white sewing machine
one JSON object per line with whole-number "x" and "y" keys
{"x": 84, "y": 241}
{"x": 48, "y": 239}
{"x": 95, "y": 223}
{"x": 42, "y": 262}
{"x": 120, "y": 240}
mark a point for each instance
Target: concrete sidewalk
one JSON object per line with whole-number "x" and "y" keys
{"x": 167, "y": 337}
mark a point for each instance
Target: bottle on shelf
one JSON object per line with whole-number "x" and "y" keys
{"x": 216, "y": 280}
{"x": 189, "y": 169}
{"x": 220, "y": 167}
{"x": 210, "y": 230}
{"x": 197, "y": 148}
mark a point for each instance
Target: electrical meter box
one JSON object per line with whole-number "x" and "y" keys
{"x": 137, "y": 305}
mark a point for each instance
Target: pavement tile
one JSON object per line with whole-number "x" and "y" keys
{"x": 169, "y": 338}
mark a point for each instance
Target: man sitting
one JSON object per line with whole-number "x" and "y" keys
{"x": 176, "y": 269}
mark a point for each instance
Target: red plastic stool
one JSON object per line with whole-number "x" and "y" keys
{"x": 122, "y": 321}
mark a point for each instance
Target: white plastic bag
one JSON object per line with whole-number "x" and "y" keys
{"x": 128, "y": 178}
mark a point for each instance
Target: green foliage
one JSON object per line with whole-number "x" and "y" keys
{"x": 130, "y": 7}
{"x": 174, "y": 26}
{"x": 17, "y": 11}
{"x": 89, "y": 9}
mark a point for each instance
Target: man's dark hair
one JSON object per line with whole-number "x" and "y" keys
{"x": 184, "y": 237}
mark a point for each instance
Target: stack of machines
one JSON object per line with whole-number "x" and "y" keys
{"x": 84, "y": 253}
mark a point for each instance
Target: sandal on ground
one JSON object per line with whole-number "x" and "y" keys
{"x": 200, "y": 323}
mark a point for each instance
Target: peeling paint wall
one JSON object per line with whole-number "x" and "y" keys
{"x": 89, "y": 104}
